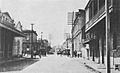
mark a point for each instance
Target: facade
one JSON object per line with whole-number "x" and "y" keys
{"x": 17, "y": 43}
{"x": 7, "y": 34}
{"x": 67, "y": 45}
{"x": 46, "y": 44}
{"x": 78, "y": 30}
{"x": 30, "y": 41}
{"x": 95, "y": 28}
{"x": 43, "y": 46}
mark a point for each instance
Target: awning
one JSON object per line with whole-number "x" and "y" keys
{"x": 13, "y": 29}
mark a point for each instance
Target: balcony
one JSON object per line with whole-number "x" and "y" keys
{"x": 97, "y": 17}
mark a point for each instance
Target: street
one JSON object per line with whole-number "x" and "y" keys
{"x": 56, "y": 64}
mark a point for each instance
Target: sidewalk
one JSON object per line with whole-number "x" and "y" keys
{"x": 15, "y": 65}
{"x": 10, "y": 60}
{"x": 99, "y": 68}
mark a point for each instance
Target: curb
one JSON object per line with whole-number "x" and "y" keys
{"x": 89, "y": 67}
{"x": 11, "y": 60}
{"x": 92, "y": 68}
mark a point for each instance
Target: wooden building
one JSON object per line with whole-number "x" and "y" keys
{"x": 7, "y": 34}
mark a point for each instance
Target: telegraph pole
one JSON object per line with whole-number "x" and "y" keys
{"x": 67, "y": 39}
{"x": 32, "y": 40}
{"x": 41, "y": 40}
{"x": 107, "y": 37}
{"x": 72, "y": 35}
{"x": 41, "y": 35}
{"x": 50, "y": 37}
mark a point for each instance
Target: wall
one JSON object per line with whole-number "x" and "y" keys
{"x": 17, "y": 46}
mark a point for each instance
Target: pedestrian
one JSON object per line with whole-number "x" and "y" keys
{"x": 75, "y": 53}
{"x": 23, "y": 53}
{"x": 78, "y": 54}
{"x": 39, "y": 53}
{"x": 68, "y": 54}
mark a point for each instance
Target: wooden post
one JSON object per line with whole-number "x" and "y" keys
{"x": 107, "y": 37}
{"x": 100, "y": 49}
{"x": 93, "y": 48}
{"x": 32, "y": 40}
{"x": 72, "y": 35}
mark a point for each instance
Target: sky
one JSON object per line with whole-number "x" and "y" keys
{"x": 48, "y": 16}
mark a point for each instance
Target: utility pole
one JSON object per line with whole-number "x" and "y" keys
{"x": 41, "y": 40}
{"x": 32, "y": 40}
{"x": 50, "y": 37}
{"x": 107, "y": 36}
{"x": 67, "y": 43}
{"x": 67, "y": 35}
{"x": 41, "y": 35}
{"x": 72, "y": 35}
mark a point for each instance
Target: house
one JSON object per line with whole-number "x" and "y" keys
{"x": 7, "y": 34}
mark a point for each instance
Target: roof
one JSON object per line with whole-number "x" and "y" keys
{"x": 88, "y": 4}
{"x": 19, "y": 26}
{"x": 29, "y": 31}
{"x": 12, "y": 29}
{"x": 6, "y": 13}
{"x": 8, "y": 27}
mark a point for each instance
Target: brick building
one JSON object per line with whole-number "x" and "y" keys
{"x": 30, "y": 41}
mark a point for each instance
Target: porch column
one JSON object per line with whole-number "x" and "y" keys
{"x": 1, "y": 52}
{"x": 100, "y": 50}
{"x": 93, "y": 50}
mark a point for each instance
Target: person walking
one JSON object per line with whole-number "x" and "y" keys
{"x": 75, "y": 53}
{"x": 78, "y": 54}
{"x": 39, "y": 54}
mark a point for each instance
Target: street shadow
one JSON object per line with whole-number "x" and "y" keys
{"x": 17, "y": 65}
{"x": 92, "y": 69}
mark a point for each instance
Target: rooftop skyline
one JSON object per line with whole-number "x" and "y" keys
{"x": 49, "y": 16}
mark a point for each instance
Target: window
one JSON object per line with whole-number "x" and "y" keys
{"x": 101, "y": 3}
{"x": 87, "y": 15}
{"x": 90, "y": 11}
{"x": 95, "y": 2}
{"x": 27, "y": 38}
{"x": 110, "y": 2}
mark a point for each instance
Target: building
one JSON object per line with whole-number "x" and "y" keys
{"x": 67, "y": 45}
{"x": 30, "y": 41}
{"x": 78, "y": 30}
{"x": 17, "y": 43}
{"x": 7, "y": 34}
{"x": 95, "y": 28}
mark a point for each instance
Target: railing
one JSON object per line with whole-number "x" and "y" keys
{"x": 96, "y": 17}
{"x": 99, "y": 14}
